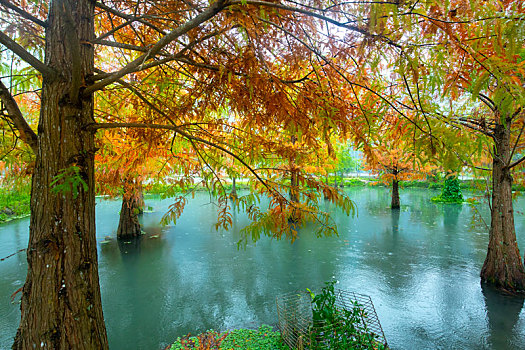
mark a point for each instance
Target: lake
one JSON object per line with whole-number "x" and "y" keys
{"x": 420, "y": 265}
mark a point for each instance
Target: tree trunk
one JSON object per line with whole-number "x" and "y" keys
{"x": 294, "y": 183}
{"x": 132, "y": 207}
{"x": 61, "y": 305}
{"x": 233, "y": 193}
{"x": 326, "y": 181}
{"x": 503, "y": 266}
{"x": 395, "y": 194}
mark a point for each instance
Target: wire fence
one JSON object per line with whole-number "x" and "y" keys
{"x": 299, "y": 331}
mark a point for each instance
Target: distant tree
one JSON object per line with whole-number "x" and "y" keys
{"x": 345, "y": 161}
{"x": 391, "y": 155}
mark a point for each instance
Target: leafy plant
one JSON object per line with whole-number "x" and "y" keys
{"x": 336, "y": 327}
{"x": 264, "y": 338}
{"x": 69, "y": 180}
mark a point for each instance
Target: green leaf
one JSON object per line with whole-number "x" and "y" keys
{"x": 69, "y": 180}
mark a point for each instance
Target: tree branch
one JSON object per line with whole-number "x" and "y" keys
{"x": 516, "y": 143}
{"x": 136, "y": 64}
{"x": 316, "y": 15}
{"x": 487, "y": 101}
{"x": 177, "y": 129}
{"x": 23, "y": 13}
{"x": 26, "y": 56}
{"x": 169, "y": 58}
{"x": 26, "y": 133}
{"x": 122, "y": 45}
{"x": 512, "y": 165}
{"x": 474, "y": 126}
{"x": 128, "y": 17}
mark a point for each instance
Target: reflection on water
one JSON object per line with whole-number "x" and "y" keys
{"x": 451, "y": 215}
{"x": 420, "y": 265}
{"x": 503, "y": 314}
{"x": 395, "y": 221}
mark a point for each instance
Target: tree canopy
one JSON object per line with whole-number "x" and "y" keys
{"x": 262, "y": 86}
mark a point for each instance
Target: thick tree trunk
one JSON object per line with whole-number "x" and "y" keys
{"x": 503, "y": 266}
{"x": 395, "y": 194}
{"x": 61, "y": 305}
{"x": 132, "y": 207}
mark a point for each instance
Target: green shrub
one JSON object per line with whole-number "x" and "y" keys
{"x": 451, "y": 192}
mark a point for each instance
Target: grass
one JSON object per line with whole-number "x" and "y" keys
{"x": 14, "y": 202}
{"x": 264, "y": 338}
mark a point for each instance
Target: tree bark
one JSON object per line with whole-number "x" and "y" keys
{"x": 294, "y": 185}
{"x": 61, "y": 305}
{"x": 395, "y": 204}
{"x": 132, "y": 207}
{"x": 503, "y": 266}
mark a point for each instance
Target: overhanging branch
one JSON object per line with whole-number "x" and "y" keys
{"x": 135, "y": 65}
{"x": 15, "y": 115}
{"x": 519, "y": 161}
{"x": 23, "y": 13}
{"x": 316, "y": 15}
{"x": 128, "y": 17}
{"x": 26, "y": 56}
{"x": 178, "y": 129}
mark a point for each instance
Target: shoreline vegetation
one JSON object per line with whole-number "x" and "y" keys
{"x": 263, "y": 338}
{"x": 14, "y": 203}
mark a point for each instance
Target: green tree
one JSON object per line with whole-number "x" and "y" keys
{"x": 479, "y": 91}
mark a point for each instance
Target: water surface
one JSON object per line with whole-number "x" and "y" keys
{"x": 420, "y": 265}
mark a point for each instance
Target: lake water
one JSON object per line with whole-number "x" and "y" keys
{"x": 420, "y": 265}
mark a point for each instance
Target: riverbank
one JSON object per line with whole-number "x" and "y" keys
{"x": 14, "y": 203}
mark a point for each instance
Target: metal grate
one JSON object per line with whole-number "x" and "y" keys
{"x": 294, "y": 311}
